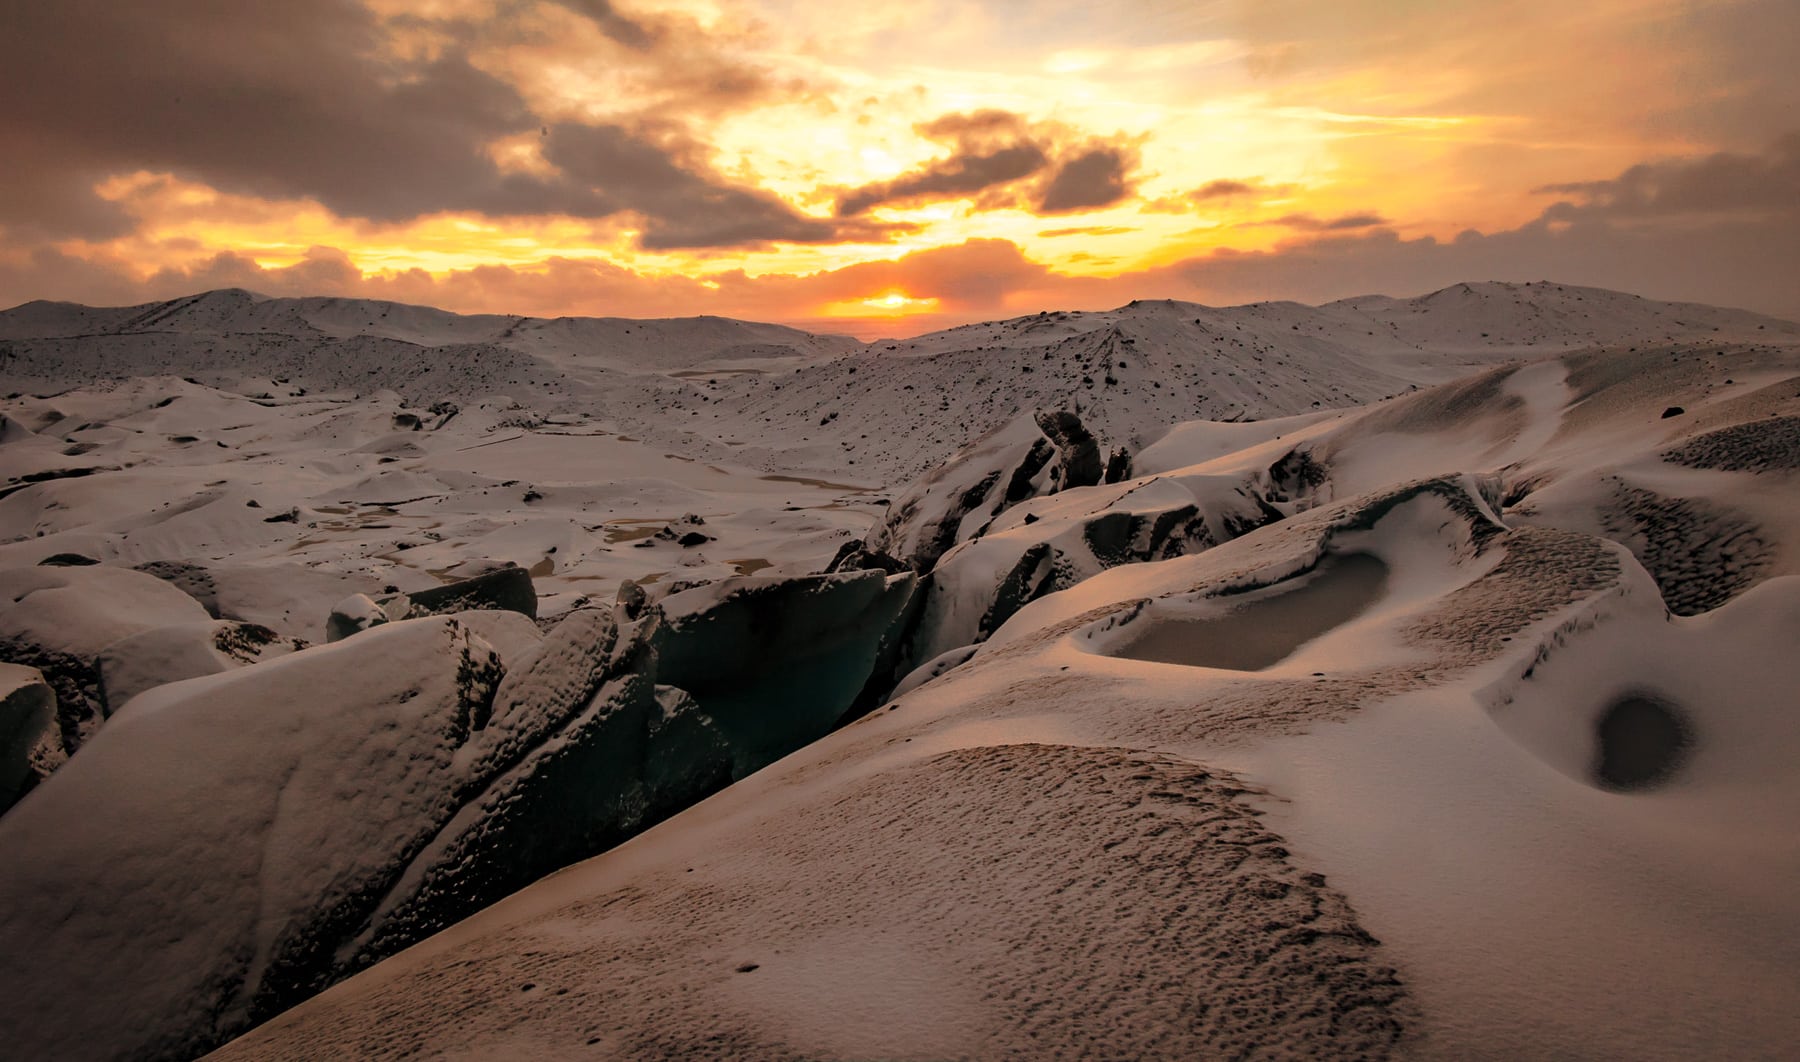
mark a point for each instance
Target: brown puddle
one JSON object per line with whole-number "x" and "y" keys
{"x": 1267, "y": 629}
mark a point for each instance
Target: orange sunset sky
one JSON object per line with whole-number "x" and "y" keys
{"x": 885, "y": 168}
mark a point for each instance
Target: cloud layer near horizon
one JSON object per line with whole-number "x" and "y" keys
{"x": 757, "y": 159}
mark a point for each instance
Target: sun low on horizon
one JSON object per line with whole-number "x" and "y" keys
{"x": 895, "y": 167}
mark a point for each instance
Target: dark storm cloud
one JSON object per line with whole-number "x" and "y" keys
{"x": 1221, "y": 189}
{"x": 280, "y": 100}
{"x": 1723, "y": 229}
{"x": 989, "y": 149}
{"x": 992, "y": 152}
{"x": 1095, "y": 178}
{"x": 621, "y": 29}
{"x": 1342, "y": 223}
{"x": 292, "y": 101}
{"x": 950, "y": 178}
{"x": 1723, "y": 183}
{"x": 681, "y": 208}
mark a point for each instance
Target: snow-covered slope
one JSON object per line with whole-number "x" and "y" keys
{"x": 1437, "y": 699}
{"x": 249, "y": 321}
{"x": 1172, "y": 811}
{"x": 1357, "y": 731}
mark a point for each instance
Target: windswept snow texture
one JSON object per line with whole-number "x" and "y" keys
{"x": 1391, "y": 678}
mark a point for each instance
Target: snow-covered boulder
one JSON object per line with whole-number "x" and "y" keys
{"x": 508, "y": 588}
{"x": 352, "y": 615}
{"x": 60, "y": 619}
{"x": 29, "y": 744}
{"x": 299, "y": 819}
{"x": 505, "y": 589}
{"x": 289, "y": 599}
{"x": 269, "y": 809}
{"x": 583, "y": 750}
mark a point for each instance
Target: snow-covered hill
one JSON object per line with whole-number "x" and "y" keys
{"x": 182, "y": 335}
{"x": 1337, "y": 681}
{"x": 787, "y": 401}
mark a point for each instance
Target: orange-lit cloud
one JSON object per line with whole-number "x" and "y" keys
{"x": 893, "y": 165}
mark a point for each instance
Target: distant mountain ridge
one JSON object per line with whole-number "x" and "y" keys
{"x": 1572, "y": 309}
{"x": 787, "y": 400}
{"x": 657, "y": 344}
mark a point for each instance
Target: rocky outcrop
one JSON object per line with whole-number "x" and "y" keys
{"x": 1078, "y": 453}
{"x": 353, "y": 615}
{"x": 776, "y": 663}
{"x": 1024, "y": 459}
{"x": 508, "y": 588}
{"x": 505, "y": 589}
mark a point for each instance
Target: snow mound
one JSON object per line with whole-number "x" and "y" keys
{"x": 265, "y": 805}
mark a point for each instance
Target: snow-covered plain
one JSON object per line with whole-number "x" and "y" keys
{"x": 1386, "y": 678}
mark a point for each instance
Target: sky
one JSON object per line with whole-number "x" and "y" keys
{"x": 885, "y": 168}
